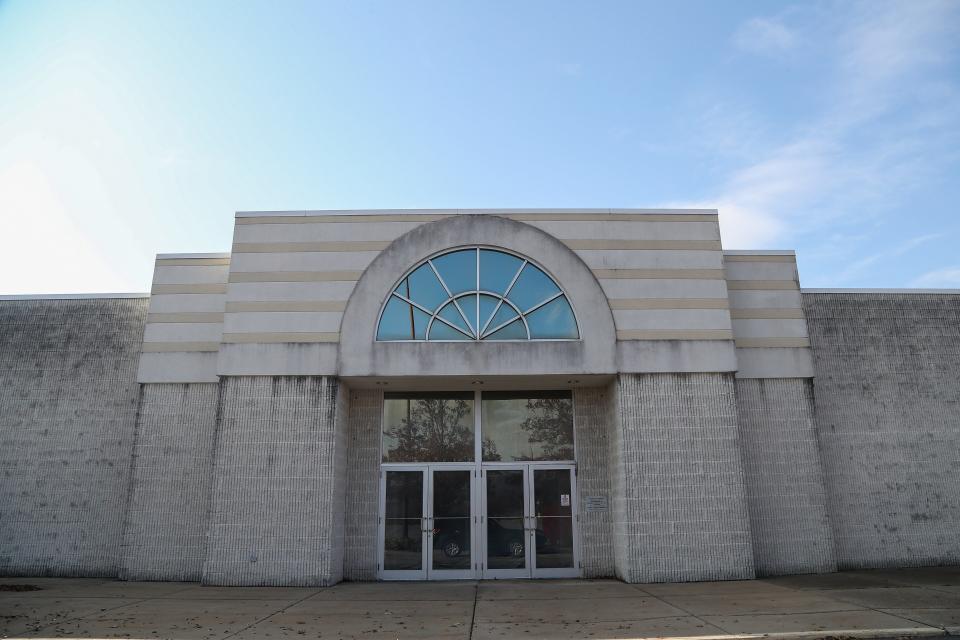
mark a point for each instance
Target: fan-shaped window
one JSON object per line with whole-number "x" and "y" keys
{"x": 477, "y": 294}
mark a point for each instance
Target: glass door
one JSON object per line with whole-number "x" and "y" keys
{"x": 428, "y": 524}
{"x": 477, "y": 484}
{"x": 552, "y": 512}
{"x": 505, "y": 523}
{"x": 403, "y": 526}
{"x": 451, "y": 523}
{"x": 528, "y": 522}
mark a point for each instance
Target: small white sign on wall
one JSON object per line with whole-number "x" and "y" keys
{"x": 593, "y": 504}
{"x": 564, "y": 499}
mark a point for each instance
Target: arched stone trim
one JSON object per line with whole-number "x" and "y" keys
{"x": 361, "y": 355}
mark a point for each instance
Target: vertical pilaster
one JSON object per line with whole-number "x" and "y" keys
{"x": 591, "y": 424}
{"x": 165, "y": 526}
{"x": 278, "y": 497}
{"x": 363, "y": 487}
{"x": 785, "y": 485}
{"x": 680, "y": 506}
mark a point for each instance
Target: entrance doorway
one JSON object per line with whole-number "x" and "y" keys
{"x": 528, "y": 522}
{"x": 428, "y": 524}
{"x": 440, "y": 523}
{"x": 467, "y": 493}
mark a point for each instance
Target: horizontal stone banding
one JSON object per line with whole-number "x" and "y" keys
{"x": 762, "y": 285}
{"x": 280, "y": 306}
{"x": 521, "y": 217}
{"x": 767, "y": 314}
{"x": 172, "y": 347}
{"x": 649, "y": 245}
{"x": 612, "y": 217}
{"x": 189, "y": 288}
{"x": 294, "y": 276}
{"x": 192, "y": 262}
{"x": 297, "y": 247}
{"x": 668, "y": 303}
{"x": 278, "y": 337}
{"x": 386, "y": 217}
{"x": 379, "y": 245}
{"x": 186, "y": 316}
{"x": 718, "y": 334}
{"x": 660, "y": 274}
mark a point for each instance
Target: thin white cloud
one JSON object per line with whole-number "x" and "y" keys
{"x": 946, "y": 278}
{"x": 741, "y": 225}
{"x": 764, "y": 35}
{"x": 859, "y": 266}
{"x": 846, "y": 158}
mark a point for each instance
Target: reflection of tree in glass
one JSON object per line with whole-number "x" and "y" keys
{"x": 432, "y": 432}
{"x": 549, "y": 424}
{"x": 489, "y": 452}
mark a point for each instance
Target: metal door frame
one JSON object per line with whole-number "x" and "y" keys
{"x": 529, "y": 522}
{"x": 478, "y": 508}
{"x": 402, "y": 574}
{"x": 453, "y": 574}
{"x": 427, "y": 572}
{"x": 562, "y": 572}
{"x": 504, "y": 574}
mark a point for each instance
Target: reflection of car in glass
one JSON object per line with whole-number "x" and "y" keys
{"x": 506, "y": 541}
{"x": 451, "y": 538}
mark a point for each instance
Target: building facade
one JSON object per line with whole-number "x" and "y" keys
{"x": 476, "y": 395}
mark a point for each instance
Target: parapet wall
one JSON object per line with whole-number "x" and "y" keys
{"x": 89, "y": 486}
{"x": 888, "y": 411}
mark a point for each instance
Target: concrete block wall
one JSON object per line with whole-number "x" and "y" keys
{"x": 68, "y": 401}
{"x": 617, "y": 479}
{"x": 363, "y": 485}
{"x": 681, "y": 509}
{"x": 591, "y": 408}
{"x": 278, "y": 494}
{"x": 165, "y": 528}
{"x": 888, "y": 412}
{"x": 784, "y": 477}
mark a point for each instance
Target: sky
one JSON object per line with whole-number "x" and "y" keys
{"x": 134, "y": 128}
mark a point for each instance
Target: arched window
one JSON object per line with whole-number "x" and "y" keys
{"x": 477, "y": 294}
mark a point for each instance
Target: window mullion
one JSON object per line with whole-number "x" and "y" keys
{"x": 472, "y": 328}
{"x": 418, "y": 306}
{"x": 545, "y": 302}
{"x": 502, "y": 298}
{"x": 477, "y": 325}
{"x": 451, "y": 325}
{"x": 455, "y": 303}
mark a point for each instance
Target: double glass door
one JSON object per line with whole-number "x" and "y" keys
{"x": 528, "y": 521}
{"x": 428, "y": 523}
{"x": 447, "y": 521}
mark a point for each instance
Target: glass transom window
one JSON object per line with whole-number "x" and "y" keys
{"x": 477, "y": 294}
{"x": 521, "y": 426}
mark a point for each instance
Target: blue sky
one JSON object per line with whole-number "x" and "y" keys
{"x": 134, "y": 128}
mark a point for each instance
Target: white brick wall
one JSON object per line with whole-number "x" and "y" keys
{"x": 68, "y": 401}
{"x": 165, "y": 528}
{"x": 277, "y": 507}
{"x": 363, "y": 485}
{"x": 591, "y": 416}
{"x": 785, "y": 491}
{"x": 888, "y": 413}
{"x": 681, "y": 511}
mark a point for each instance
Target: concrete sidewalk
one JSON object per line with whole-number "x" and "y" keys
{"x": 915, "y": 602}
